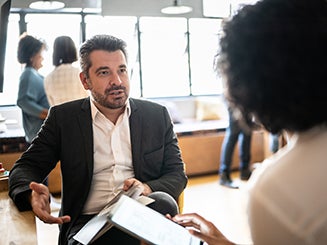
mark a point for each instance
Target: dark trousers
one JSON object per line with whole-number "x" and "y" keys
{"x": 233, "y": 134}
{"x": 112, "y": 236}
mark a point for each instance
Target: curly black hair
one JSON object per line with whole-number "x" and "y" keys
{"x": 274, "y": 57}
{"x": 28, "y": 46}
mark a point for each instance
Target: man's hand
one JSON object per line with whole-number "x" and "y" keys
{"x": 132, "y": 181}
{"x": 40, "y": 202}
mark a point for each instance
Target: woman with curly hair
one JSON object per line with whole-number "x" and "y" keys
{"x": 31, "y": 95}
{"x": 273, "y": 54}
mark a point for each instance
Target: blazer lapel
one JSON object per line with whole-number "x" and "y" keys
{"x": 85, "y": 126}
{"x": 135, "y": 122}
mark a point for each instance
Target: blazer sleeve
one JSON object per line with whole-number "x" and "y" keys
{"x": 34, "y": 165}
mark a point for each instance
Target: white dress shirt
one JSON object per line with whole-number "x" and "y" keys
{"x": 288, "y": 201}
{"x": 112, "y": 158}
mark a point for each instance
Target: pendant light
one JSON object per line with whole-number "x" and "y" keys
{"x": 47, "y": 5}
{"x": 176, "y": 8}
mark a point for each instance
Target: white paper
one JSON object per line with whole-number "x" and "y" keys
{"x": 149, "y": 225}
{"x": 98, "y": 225}
{"x": 89, "y": 231}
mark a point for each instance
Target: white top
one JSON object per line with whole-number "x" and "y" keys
{"x": 288, "y": 201}
{"x": 112, "y": 158}
{"x": 63, "y": 84}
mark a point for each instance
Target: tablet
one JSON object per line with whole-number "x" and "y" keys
{"x": 146, "y": 224}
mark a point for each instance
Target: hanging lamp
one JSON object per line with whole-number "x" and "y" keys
{"x": 47, "y": 5}
{"x": 176, "y": 8}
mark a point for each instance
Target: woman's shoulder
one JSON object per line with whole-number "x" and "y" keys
{"x": 30, "y": 74}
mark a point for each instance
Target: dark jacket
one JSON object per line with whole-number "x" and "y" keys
{"x": 67, "y": 136}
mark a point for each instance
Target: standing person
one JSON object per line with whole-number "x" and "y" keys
{"x": 274, "y": 54}
{"x": 31, "y": 95}
{"x": 63, "y": 83}
{"x": 235, "y": 133}
{"x": 105, "y": 143}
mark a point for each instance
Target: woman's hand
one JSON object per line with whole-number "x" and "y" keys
{"x": 202, "y": 228}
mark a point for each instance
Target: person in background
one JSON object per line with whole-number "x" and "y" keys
{"x": 106, "y": 143}
{"x": 234, "y": 133}
{"x": 273, "y": 54}
{"x": 31, "y": 95}
{"x": 63, "y": 83}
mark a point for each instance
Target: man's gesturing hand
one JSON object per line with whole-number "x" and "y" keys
{"x": 40, "y": 202}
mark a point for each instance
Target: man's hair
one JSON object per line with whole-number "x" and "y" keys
{"x": 273, "y": 55}
{"x": 28, "y": 46}
{"x": 99, "y": 42}
{"x": 64, "y": 51}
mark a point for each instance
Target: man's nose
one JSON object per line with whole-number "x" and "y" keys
{"x": 116, "y": 80}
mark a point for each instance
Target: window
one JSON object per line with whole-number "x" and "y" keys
{"x": 124, "y": 28}
{"x": 204, "y": 45}
{"x": 167, "y": 56}
{"x": 164, "y": 57}
{"x": 53, "y": 25}
{"x": 12, "y": 67}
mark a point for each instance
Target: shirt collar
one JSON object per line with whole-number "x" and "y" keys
{"x": 95, "y": 111}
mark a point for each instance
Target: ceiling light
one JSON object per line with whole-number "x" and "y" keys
{"x": 47, "y": 5}
{"x": 176, "y": 8}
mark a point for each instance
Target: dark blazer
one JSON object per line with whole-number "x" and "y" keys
{"x": 67, "y": 136}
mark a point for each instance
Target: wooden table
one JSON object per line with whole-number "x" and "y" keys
{"x": 16, "y": 228}
{"x": 3, "y": 183}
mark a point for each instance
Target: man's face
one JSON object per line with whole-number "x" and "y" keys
{"x": 108, "y": 78}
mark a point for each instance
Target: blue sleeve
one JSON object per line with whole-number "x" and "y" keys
{"x": 31, "y": 95}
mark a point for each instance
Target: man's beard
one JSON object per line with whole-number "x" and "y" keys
{"x": 102, "y": 99}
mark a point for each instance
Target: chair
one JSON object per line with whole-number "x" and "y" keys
{"x": 180, "y": 202}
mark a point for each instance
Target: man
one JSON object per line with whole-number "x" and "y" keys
{"x": 105, "y": 143}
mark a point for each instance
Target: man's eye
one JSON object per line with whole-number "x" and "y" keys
{"x": 123, "y": 70}
{"x": 103, "y": 73}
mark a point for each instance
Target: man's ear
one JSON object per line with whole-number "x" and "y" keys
{"x": 84, "y": 81}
